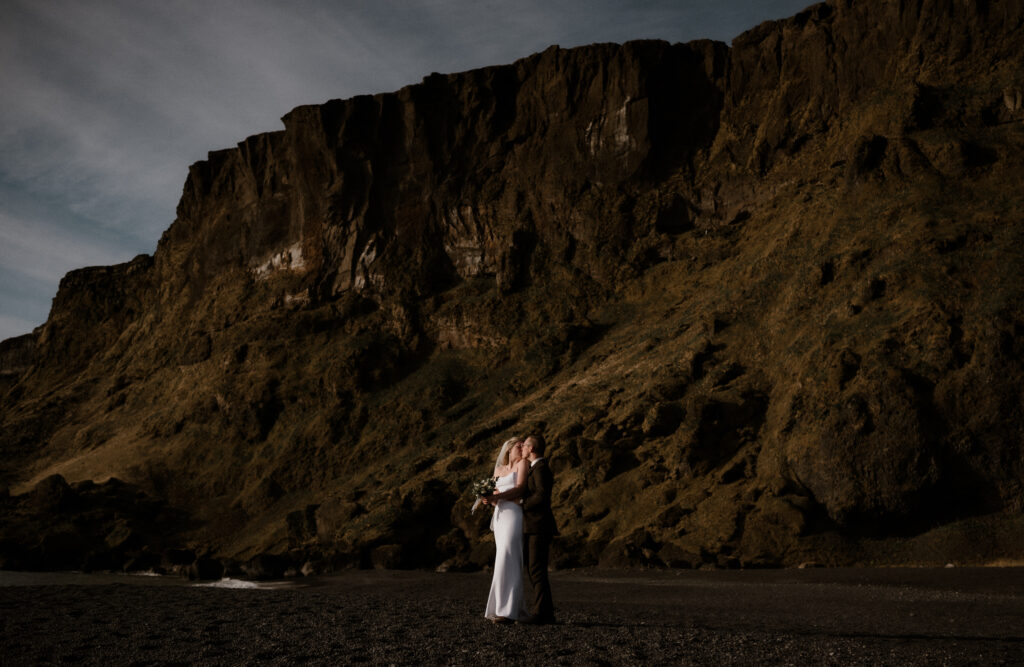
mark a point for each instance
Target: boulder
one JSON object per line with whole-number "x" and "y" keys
{"x": 773, "y": 525}
{"x": 680, "y": 557}
{"x": 53, "y": 494}
{"x": 333, "y": 515}
{"x": 267, "y": 566}
{"x": 144, "y": 562}
{"x": 63, "y": 549}
{"x": 178, "y": 557}
{"x": 314, "y": 567}
{"x": 638, "y": 549}
{"x": 387, "y": 557}
{"x": 14, "y": 555}
{"x": 662, "y": 419}
{"x": 302, "y": 525}
{"x": 123, "y": 537}
{"x": 206, "y": 569}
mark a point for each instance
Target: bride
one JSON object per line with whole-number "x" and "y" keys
{"x": 505, "y": 602}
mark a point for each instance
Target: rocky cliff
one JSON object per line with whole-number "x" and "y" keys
{"x": 16, "y": 357}
{"x": 763, "y": 300}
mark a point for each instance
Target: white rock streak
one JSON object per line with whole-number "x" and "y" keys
{"x": 289, "y": 259}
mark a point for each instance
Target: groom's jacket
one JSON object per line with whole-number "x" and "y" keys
{"x": 537, "y": 516}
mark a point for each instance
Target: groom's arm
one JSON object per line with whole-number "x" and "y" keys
{"x": 543, "y": 481}
{"x": 512, "y": 494}
{"x": 516, "y": 492}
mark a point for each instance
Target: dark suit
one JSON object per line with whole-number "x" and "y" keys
{"x": 538, "y": 530}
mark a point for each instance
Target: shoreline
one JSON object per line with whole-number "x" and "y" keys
{"x": 849, "y": 616}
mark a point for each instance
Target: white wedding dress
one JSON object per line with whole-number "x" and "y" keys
{"x": 506, "y": 597}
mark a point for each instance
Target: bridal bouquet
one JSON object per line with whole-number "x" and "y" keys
{"x": 482, "y": 487}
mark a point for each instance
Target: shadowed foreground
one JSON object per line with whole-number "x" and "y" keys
{"x": 841, "y": 616}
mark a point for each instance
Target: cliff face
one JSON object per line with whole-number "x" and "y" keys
{"x": 459, "y": 177}
{"x": 16, "y": 357}
{"x": 764, "y": 301}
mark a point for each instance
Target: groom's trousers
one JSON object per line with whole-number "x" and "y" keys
{"x": 536, "y": 548}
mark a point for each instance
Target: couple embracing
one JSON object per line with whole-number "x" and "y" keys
{"x": 524, "y": 527}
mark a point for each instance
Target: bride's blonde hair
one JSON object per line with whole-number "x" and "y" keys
{"x": 506, "y": 450}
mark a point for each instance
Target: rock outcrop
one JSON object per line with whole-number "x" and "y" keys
{"x": 16, "y": 357}
{"x": 85, "y": 526}
{"x": 764, "y": 301}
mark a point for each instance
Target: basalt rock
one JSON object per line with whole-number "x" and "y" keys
{"x": 764, "y": 301}
{"x": 206, "y": 569}
{"x": 16, "y": 357}
{"x": 88, "y": 526}
{"x": 267, "y": 566}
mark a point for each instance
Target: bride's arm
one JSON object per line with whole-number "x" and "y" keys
{"x": 519, "y": 489}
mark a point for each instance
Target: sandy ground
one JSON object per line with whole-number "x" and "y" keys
{"x": 844, "y": 616}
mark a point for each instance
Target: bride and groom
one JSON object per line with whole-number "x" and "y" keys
{"x": 524, "y": 527}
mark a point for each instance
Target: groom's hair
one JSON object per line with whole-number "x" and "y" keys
{"x": 538, "y": 444}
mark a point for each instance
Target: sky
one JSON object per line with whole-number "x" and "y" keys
{"x": 105, "y": 103}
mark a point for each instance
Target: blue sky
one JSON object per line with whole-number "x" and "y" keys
{"x": 106, "y": 103}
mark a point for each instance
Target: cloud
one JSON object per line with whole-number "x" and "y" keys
{"x": 37, "y": 248}
{"x": 44, "y": 252}
{"x": 24, "y": 303}
{"x": 14, "y": 326}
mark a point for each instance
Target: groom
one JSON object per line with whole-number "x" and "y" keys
{"x": 538, "y": 530}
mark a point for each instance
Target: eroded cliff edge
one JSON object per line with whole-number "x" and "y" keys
{"x": 765, "y": 302}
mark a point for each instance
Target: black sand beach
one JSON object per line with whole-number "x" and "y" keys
{"x": 834, "y": 616}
